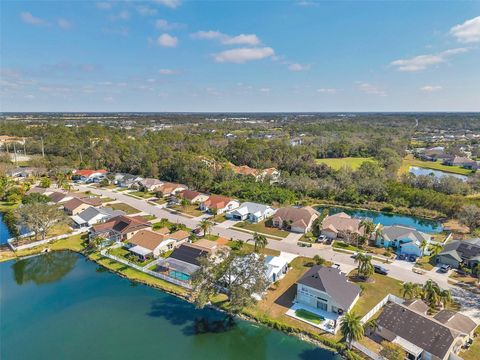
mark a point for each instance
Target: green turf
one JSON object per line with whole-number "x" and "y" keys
{"x": 350, "y": 162}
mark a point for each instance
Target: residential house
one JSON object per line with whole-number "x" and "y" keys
{"x": 404, "y": 239}
{"x": 337, "y": 225}
{"x": 149, "y": 184}
{"x": 58, "y": 197}
{"x": 182, "y": 263}
{"x": 179, "y": 236}
{"x": 211, "y": 246}
{"x": 147, "y": 243}
{"x": 87, "y": 175}
{"x": 119, "y": 228}
{"x": 252, "y": 212}
{"x": 259, "y": 174}
{"x": 91, "y": 216}
{"x": 461, "y": 161}
{"x": 295, "y": 219}
{"x": 77, "y": 205}
{"x": 219, "y": 204}
{"x": 433, "y": 154}
{"x": 126, "y": 180}
{"x": 39, "y": 190}
{"x": 169, "y": 189}
{"x": 194, "y": 197}
{"x": 458, "y": 252}
{"x": 422, "y": 336}
{"x": 277, "y": 267}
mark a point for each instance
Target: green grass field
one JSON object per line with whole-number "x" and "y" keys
{"x": 124, "y": 207}
{"x": 350, "y": 162}
{"x": 261, "y": 228}
{"x": 434, "y": 165}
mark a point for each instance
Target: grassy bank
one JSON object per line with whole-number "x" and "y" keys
{"x": 433, "y": 165}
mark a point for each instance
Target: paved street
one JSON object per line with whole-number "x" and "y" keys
{"x": 400, "y": 270}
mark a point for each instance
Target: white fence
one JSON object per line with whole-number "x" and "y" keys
{"x": 371, "y": 354}
{"x": 41, "y": 242}
{"x": 146, "y": 271}
{"x": 381, "y": 303}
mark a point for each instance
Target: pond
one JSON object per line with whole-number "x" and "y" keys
{"x": 386, "y": 219}
{"x": 61, "y": 306}
{"x": 4, "y": 231}
{"x": 435, "y": 173}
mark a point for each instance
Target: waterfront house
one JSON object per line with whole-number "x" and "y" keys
{"x": 461, "y": 161}
{"x": 77, "y": 205}
{"x": 458, "y": 252}
{"x": 421, "y": 336}
{"x": 404, "y": 239}
{"x": 219, "y": 204}
{"x": 276, "y": 267}
{"x": 295, "y": 219}
{"x": 147, "y": 243}
{"x": 91, "y": 216}
{"x": 179, "y": 236}
{"x": 193, "y": 197}
{"x": 335, "y": 226}
{"x": 251, "y": 212}
{"x": 119, "y": 228}
{"x": 59, "y": 197}
{"x": 39, "y": 190}
{"x": 327, "y": 289}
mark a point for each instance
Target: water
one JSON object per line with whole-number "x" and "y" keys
{"x": 435, "y": 173}
{"x": 4, "y": 231}
{"x": 60, "y": 306}
{"x": 386, "y": 219}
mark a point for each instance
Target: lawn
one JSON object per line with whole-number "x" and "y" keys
{"x": 351, "y": 162}
{"x": 218, "y": 218}
{"x": 106, "y": 200}
{"x": 409, "y": 160}
{"x": 124, "y": 207}
{"x": 262, "y": 228}
{"x": 191, "y": 209}
{"x": 309, "y": 316}
{"x": 250, "y": 247}
{"x": 344, "y": 246}
{"x": 142, "y": 194}
{"x": 425, "y": 263}
{"x": 373, "y": 292}
{"x": 127, "y": 255}
{"x": 474, "y": 352}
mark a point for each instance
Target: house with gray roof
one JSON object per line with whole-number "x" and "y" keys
{"x": 327, "y": 289}
{"x": 91, "y": 216}
{"x": 404, "y": 239}
{"x": 422, "y": 336}
{"x": 252, "y": 212}
{"x": 458, "y": 252}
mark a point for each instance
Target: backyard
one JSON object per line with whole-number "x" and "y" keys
{"x": 127, "y": 255}
{"x": 260, "y": 227}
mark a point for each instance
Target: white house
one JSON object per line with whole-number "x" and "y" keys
{"x": 218, "y": 203}
{"x": 92, "y": 215}
{"x": 146, "y": 243}
{"x": 277, "y": 267}
{"x": 252, "y": 212}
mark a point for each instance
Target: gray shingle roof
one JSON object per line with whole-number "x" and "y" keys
{"x": 400, "y": 231}
{"x": 462, "y": 249}
{"x": 333, "y": 282}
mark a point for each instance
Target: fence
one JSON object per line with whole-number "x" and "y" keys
{"x": 381, "y": 303}
{"x": 146, "y": 271}
{"x": 371, "y": 354}
{"x": 40, "y": 242}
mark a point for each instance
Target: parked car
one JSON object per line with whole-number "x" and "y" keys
{"x": 321, "y": 239}
{"x": 444, "y": 268}
{"x": 380, "y": 270}
{"x": 401, "y": 257}
{"x": 412, "y": 258}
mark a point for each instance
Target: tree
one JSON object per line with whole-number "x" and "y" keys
{"x": 184, "y": 203}
{"x": 34, "y": 198}
{"x": 410, "y": 290}
{"x": 470, "y": 216}
{"x": 260, "y": 241}
{"x": 435, "y": 249}
{"x": 392, "y": 351}
{"x": 39, "y": 217}
{"x": 368, "y": 227}
{"x": 45, "y": 182}
{"x": 237, "y": 275}
{"x": 378, "y": 232}
{"x": 365, "y": 268}
{"x": 318, "y": 260}
{"x": 206, "y": 225}
{"x": 351, "y": 327}
{"x": 423, "y": 246}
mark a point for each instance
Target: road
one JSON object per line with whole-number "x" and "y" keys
{"x": 400, "y": 270}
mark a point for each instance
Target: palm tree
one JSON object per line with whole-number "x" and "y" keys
{"x": 365, "y": 268}
{"x": 423, "y": 246}
{"x": 408, "y": 290}
{"x": 206, "y": 225}
{"x": 184, "y": 203}
{"x": 445, "y": 297}
{"x": 435, "y": 249}
{"x": 260, "y": 241}
{"x": 351, "y": 327}
{"x": 431, "y": 293}
{"x": 368, "y": 227}
{"x": 378, "y": 232}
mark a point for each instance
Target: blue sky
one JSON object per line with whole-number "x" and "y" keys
{"x": 173, "y": 55}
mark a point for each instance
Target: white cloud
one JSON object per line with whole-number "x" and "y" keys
{"x": 122, "y": 15}
{"x": 242, "y": 55}
{"x": 169, "y": 3}
{"x": 167, "y": 72}
{"x": 167, "y": 40}
{"x": 468, "y": 32}
{"x": 431, "y": 88}
{"x": 298, "y": 67}
{"x": 163, "y": 24}
{"x": 327, "y": 90}
{"x": 264, "y": 90}
{"x": 421, "y": 62}
{"x": 104, "y": 5}
{"x": 370, "y": 89}
{"x": 64, "y": 24}
{"x": 146, "y": 10}
{"x": 32, "y": 20}
{"x": 241, "y": 39}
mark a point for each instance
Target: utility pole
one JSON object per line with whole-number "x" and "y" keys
{"x": 43, "y": 149}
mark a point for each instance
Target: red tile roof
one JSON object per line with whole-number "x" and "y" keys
{"x": 88, "y": 172}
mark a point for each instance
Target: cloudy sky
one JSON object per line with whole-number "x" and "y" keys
{"x": 173, "y": 55}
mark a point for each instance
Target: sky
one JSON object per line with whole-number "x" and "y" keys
{"x": 239, "y": 56}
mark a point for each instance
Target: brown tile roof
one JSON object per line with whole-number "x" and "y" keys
{"x": 342, "y": 222}
{"x": 73, "y": 204}
{"x": 217, "y": 201}
{"x": 57, "y": 196}
{"x": 168, "y": 187}
{"x": 122, "y": 224}
{"x": 93, "y": 200}
{"x": 179, "y": 235}
{"x": 295, "y": 216}
{"x": 189, "y": 194}
{"x": 147, "y": 239}
{"x": 164, "y": 230}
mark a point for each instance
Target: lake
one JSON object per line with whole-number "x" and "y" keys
{"x": 61, "y": 306}
{"x": 386, "y": 219}
{"x": 415, "y": 170}
{"x": 4, "y": 231}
